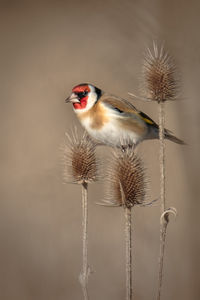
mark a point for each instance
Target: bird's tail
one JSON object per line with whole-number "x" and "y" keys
{"x": 171, "y": 137}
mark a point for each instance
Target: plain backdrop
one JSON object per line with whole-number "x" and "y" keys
{"x": 47, "y": 47}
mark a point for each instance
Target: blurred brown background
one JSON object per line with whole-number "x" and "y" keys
{"x": 46, "y": 48}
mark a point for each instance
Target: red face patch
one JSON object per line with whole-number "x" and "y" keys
{"x": 82, "y": 104}
{"x": 81, "y": 90}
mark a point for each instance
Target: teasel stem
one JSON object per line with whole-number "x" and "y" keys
{"x": 165, "y": 219}
{"x": 81, "y": 167}
{"x": 163, "y": 232}
{"x": 85, "y": 271}
{"x": 126, "y": 187}
{"x": 162, "y": 155}
{"x": 128, "y": 241}
{"x": 160, "y": 84}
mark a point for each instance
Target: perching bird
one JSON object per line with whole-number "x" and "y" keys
{"x": 111, "y": 120}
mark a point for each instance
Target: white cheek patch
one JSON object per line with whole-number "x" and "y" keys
{"x": 92, "y": 97}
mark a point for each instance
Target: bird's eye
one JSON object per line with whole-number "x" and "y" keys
{"x": 82, "y": 94}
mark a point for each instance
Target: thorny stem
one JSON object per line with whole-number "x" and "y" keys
{"x": 162, "y": 155}
{"x": 163, "y": 231}
{"x": 165, "y": 220}
{"x": 85, "y": 271}
{"x": 127, "y": 212}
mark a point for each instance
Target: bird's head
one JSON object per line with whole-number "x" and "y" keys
{"x": 84, "y": 96}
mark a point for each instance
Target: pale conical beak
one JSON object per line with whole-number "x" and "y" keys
{"x": 72, "y": 98}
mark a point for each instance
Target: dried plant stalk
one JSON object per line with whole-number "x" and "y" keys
{"x": 163, "y": 232}
{"x": 165, "y": 220}
{"x": 128, "y": 241}
{"x": 126, "y": 187}
{"x": 85, "y": 271}
{"x": 80, "y": 166}
{"x": 161, "y": 85}
{"x": 162, "y": 156}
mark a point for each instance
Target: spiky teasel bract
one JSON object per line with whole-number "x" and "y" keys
{"x": 126, "y": 183}
{"x": 159, "y": 81}
{"x": 80, "y": 162}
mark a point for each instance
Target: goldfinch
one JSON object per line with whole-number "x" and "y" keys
{"x": 111, "y": 120}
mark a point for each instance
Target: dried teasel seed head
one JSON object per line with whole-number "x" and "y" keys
{"x": 80, "y": 162}
{"x": 126, "y": 183}
{"x": 159, "y": 76}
